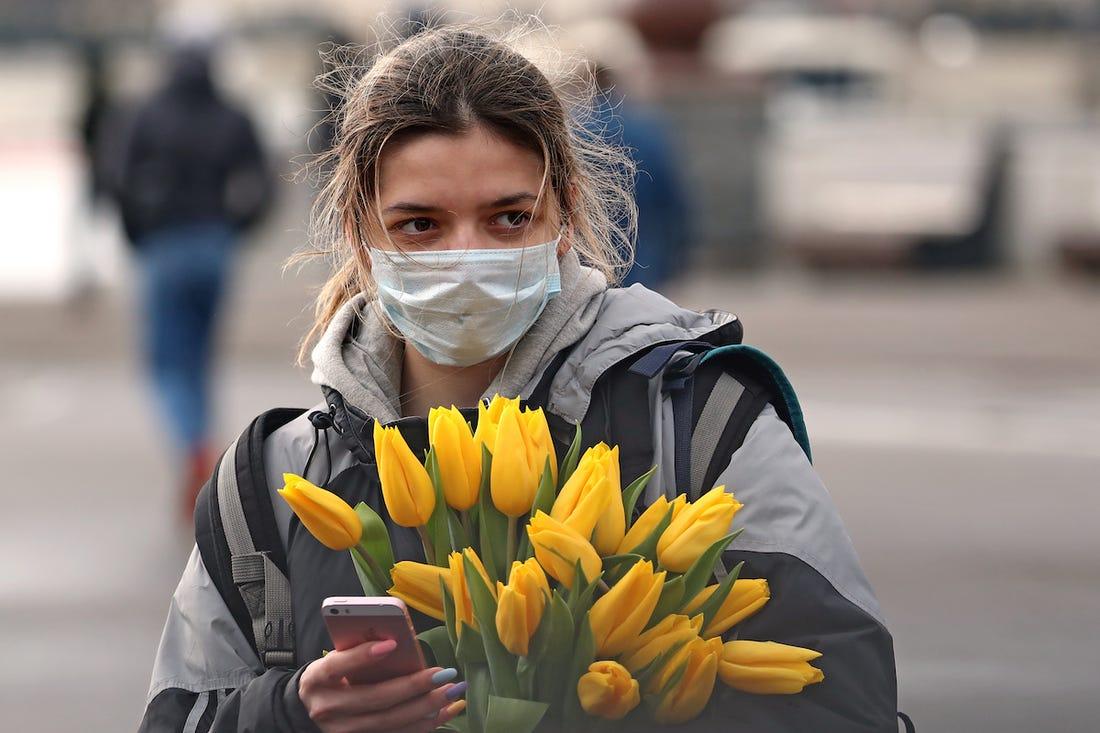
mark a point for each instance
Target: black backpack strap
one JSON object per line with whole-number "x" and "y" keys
{"x": 239, "y": 540}
{"x": 669, "y": 360}
{"x": 712, "y": 424}
{"x": 716, "y": 391}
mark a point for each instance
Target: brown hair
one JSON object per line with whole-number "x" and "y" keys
{"x": 451, "y": 79}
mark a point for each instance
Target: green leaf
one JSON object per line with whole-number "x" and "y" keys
{"x": 580, "y": 595}
{"x": 367, "y": 579}
{"x": 613, "y": 564}
{"x": 646, "y": 673}
{"x": 554, "y": 651}
{"x": 502, "y": 665}
{"x": 544, "y": 502}
{"x": 477, "y": 696}
{"x": 514, "y": 715}
{"x": 526, "y": 671}
{"x": 541, "y": 638}
{"x": 438, "y": 642}
{"x": 674, "y": 679}
{"x": 572, "y": 458}
{"x": 672, "y": 594}
{"x": 647, "y": 548}
{"x": 580, "y": 581}
{"x": 583, "y": 656}
{"x": 695, "y": 579}
{"x": 470, "y": 648}
{"x": 546, "y": 493}
{"x": 718, "y": 597}
{"x": 438, "y": 530}
{"x": 459, "y": 539}
{"x": 492, "y": 525}
{"x": 376, "y": 538}
{"x": 632, "y": 492}
{"x": 449, "y": 613}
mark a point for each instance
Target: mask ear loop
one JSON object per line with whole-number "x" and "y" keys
{"x": 551, "y": 252}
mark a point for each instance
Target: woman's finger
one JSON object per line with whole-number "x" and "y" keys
{"x": 446, "y": 715}
{"x": 335, "y": 666}
{"x": 378, "y": 696}
{"x": 419, "y": 713}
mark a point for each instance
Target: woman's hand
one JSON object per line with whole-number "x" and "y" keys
{"x": 414, "y": 703}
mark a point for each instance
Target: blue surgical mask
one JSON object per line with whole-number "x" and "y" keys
{"x": 463, "y": 307}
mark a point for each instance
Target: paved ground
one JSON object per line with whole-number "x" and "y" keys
{"x": 956, "y": 423}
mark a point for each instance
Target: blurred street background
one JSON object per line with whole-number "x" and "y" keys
{"x": 900, "y": 200}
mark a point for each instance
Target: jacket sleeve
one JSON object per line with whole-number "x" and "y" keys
{"x": 820, "y": 598}
{"x": 206, "y": 677}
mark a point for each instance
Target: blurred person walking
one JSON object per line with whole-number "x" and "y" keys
{"x": 191, "y": 180}
{"x": 663, "y": 234}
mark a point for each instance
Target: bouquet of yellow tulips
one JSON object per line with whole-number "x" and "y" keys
{"x": 583, "y": 614}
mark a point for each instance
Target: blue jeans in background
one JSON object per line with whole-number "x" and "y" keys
{"x": 184, "y": 269}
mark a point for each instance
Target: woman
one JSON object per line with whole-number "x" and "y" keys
{"x": 462, "y": 202}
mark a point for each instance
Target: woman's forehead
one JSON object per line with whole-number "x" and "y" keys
{"x": 469, "y": 169}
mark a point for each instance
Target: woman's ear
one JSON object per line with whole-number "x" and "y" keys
{"x": 565, "y": 242}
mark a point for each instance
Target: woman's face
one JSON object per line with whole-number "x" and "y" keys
{"x": 475, "y": 190}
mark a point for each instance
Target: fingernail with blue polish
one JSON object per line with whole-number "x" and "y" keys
{"x": 444, "y": 675}
{"x": 457, "y": 691}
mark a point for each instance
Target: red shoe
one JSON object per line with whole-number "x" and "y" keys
{"x": 200, "y": 466}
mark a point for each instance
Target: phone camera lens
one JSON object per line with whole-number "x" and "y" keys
{"x": 334, "y": 611}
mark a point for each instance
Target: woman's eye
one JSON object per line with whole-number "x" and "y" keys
{"x": 415, "y": 226}
{"x": 512, "y": 219}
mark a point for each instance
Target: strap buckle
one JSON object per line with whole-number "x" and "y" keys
{"x": 279, "y": 643}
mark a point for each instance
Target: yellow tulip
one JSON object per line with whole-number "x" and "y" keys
{"x": 542, "y": 444}
{"x": 746, "y": 597}
{"x": 608, "y": 691}
{"x": 327, "y": 517}
{"x": 520, "y": 605}
{"x": 669, "y": 632}
{"x": 696, "y": 528}
{"x": 592, "y": 499}
{"x": 417, "y": 584}
{"x": 517, "y": 464}
{"x": 768, "y": 668}
{"x": 488, "y": 420}
{"x": 648, "y": 521}
{"x": 460, "y": 588}
{"x": 619, "y": 616}
{"x": 406, "y": 487}
{"x": 459, "y": 456}
{"x": 687, "y": 698}
{"x": 558, "y": 548}
{"x": 611, "y": 528}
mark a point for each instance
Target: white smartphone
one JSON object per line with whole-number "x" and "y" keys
{"x": 353, "y": 620}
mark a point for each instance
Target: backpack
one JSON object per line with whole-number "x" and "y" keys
{"x": 717, "y": 386}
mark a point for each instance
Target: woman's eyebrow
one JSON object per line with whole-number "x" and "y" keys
{"x": 514, "y": 198}
{"x": 410, "y": 207}
{"x": 416, "y": 208}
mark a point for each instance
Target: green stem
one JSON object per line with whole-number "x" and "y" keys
{"x": 429, "y": 550}
{"x": 511, "y": 556}
{"x": 603, "y": 586}
{"x": 464, "y": 517}
{"x": 379, "y": 575}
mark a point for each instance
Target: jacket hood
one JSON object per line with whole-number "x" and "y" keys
{"x": 360, "y": 358}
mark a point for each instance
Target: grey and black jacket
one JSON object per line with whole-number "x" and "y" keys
{"x": 208, "y": 677}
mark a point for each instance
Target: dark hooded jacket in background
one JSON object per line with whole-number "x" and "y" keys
{"x": 190, "y": 157}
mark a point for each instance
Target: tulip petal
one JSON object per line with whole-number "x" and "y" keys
{"x": 329, "y": 518}
{"x": 619, "y": 616}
